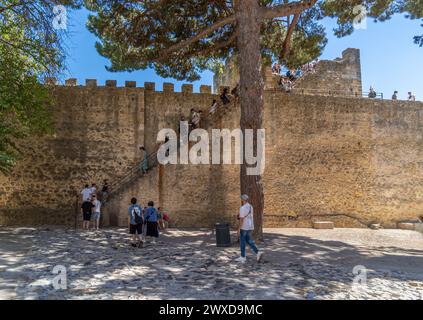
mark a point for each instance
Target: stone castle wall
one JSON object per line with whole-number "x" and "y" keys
{"x": 338, "y": 77}
{"x": 353, "y": 161}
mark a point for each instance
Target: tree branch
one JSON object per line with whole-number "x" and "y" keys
{"x": 287, "y": 9}
{"x": 206, "y": 51}
{"x": 219, "y": 45}
{"x": 202, "y": 34}
{"x": 287, "y": 43}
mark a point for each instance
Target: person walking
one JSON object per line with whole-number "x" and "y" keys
{"x": 135, "y": 222}
{"x": 144, "y": 161}
{"x": 213, "y": 107}
{"x": 246, "y": 221}
{"x": 195, "y": 119}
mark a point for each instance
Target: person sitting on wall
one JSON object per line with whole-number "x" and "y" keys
{"x": 285, "y": 84}
{"x": 224, "y": 97}
{"x": 411, "y": 97}
{"x": 288, "y": 74}
{"x": 298, "y": 73}
{"x": 276, "y": 69}
{"x": 291, "y": 75}
{"x": 372, "y": 93}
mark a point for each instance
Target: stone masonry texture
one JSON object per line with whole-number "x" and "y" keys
{"x": 351, "y": 161}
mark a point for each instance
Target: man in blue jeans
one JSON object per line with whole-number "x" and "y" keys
{"x": 246, "y": 228}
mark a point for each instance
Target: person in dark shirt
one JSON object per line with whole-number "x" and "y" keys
{"x": 135, "y": 222}
{"x": 224, "y": 96}
{"x": 87, "y": 207}
{"x": 151, "y": 219}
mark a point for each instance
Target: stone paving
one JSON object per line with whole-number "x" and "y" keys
{"x": 186, "y": 264}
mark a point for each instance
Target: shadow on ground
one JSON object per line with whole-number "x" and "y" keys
{"x": 186, "y": 264}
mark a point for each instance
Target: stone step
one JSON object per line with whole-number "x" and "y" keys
{"x": 323, "y": 225}
{"x": 375, "y": 226}
{"x": 406, "y": 226}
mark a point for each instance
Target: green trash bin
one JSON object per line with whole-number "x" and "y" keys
{"x": 223, "y": 235}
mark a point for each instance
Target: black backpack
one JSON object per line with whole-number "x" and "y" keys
{"x": 138, "y": 218}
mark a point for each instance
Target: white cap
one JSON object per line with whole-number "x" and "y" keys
{"x": 244, "y": 197}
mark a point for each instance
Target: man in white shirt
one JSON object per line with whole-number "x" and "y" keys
{"x": 86, "y": 193}
{"x": 246, "y": 228}
{"x": 93, "y": 189}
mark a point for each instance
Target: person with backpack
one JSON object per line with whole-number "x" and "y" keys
{"x": 135, "y": 221}
{"x": 151, "y": 218}
{"x": 246, "y": 228}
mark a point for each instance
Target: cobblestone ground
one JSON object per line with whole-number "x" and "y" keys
{"x": 298, "y": 264}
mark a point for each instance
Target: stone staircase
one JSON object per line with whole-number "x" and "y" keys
{"x": 118, "y": 186}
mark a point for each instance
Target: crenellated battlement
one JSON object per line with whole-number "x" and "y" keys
{"x": 340, "y": 75}
{"x": 148, "y": 86}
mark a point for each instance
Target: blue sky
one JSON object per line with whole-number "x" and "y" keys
{"x": 390, "y": 60}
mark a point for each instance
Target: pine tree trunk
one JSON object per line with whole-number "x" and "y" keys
{"x": 251, "y": 97}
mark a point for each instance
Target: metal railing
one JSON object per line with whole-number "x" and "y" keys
{"x": 338, "y": 93}
{"x": 116, "y": 185}
{"x": 133, "y": 173}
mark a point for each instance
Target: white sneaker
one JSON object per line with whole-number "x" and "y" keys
{"x": 241, "y": 259}
{"x": 259, "y": 256}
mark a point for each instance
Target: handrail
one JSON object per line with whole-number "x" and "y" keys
{"x": 379, "y": 95}
{"x": 116, "y": 185}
